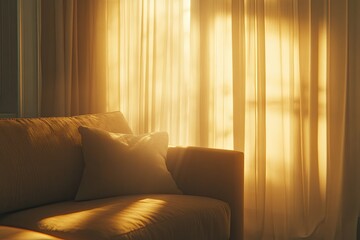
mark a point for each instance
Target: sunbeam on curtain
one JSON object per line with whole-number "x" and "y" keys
{"x": 172, "y": 60}
{"x": 267, "y": 77}
{"x": 178, "y": 72}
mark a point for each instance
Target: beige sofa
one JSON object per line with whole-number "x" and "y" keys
{"x": 42, "y": 164}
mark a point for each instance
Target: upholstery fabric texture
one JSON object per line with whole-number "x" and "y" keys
{"x": 13, "y": 233}
{"x": 40, "y": 162}
{"x": 122, "y": 164}
{"x": 150, "y": 217}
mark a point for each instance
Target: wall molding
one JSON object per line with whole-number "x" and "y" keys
{"x": 8, "y": 58}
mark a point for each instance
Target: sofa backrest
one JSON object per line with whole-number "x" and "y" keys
{"x": 41, "y": 160}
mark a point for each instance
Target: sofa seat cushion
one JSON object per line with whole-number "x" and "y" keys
{"x": 129, "y": 217}
{"x": 12, "y": 233}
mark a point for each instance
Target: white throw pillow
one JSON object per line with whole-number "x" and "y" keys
{"x": 124, "y": 164}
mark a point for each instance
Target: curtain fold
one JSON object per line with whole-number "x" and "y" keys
{"x": 73, "y": 53}
{"x": 275, "y": 79}
{"x": 351, "y": 182}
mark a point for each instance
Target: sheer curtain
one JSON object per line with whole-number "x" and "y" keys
{"x": 175, "y": 73}
{"x": 276, "y": 79}
{"x": 264, "y": 77}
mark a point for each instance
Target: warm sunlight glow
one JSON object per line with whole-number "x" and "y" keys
{"x": 113, "y": 56}
{"x": 141, "y": 211}
{"x": 322, "y": 106}
{"x": 220, "y": 82}
{"x": 69, "y": 221}
{"x": 10, "y": 233}
{"x": 285, "y": 99}
{"x": 175, "y": 70}
{"x": 28, "y": 235}
{"x": 286, "y": 66}
{"x": 279, "y": 62}
{"x": 156, "y": 68}
{"x": 161, "y": 87}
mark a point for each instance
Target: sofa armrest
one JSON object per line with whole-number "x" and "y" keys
{"x": 212, "y": 173}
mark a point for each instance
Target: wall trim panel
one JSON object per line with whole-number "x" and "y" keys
{"x": 8, "y": 58}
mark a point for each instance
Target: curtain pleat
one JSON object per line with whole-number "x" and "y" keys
{"x": 74, "y": 62}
